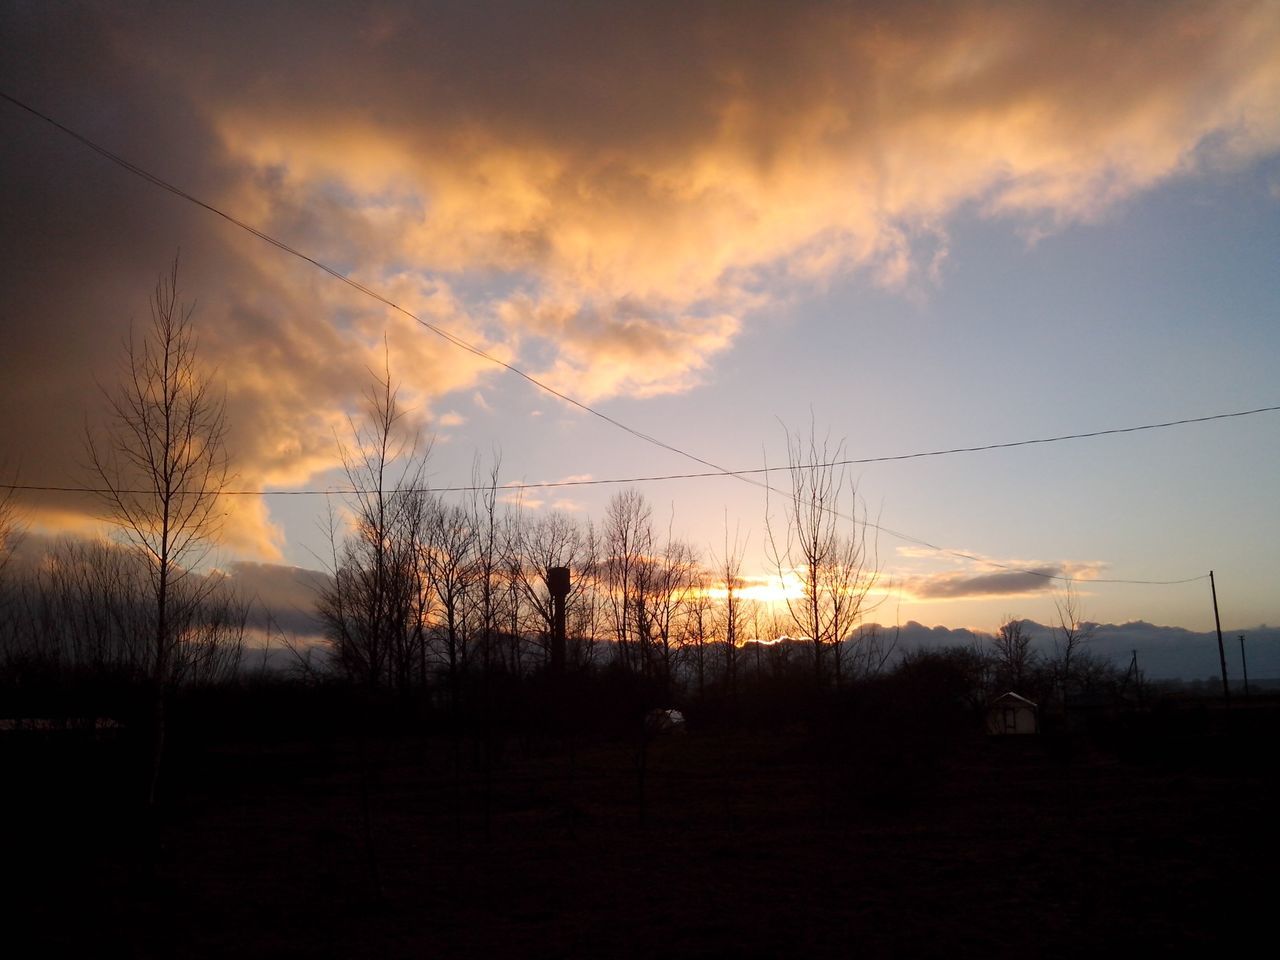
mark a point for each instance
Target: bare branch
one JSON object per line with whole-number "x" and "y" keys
{"x": 161, "y": 460}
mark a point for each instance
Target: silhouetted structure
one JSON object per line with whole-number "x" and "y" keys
{"x": 1010, "y": 713}
{"x": 558, "y": 584}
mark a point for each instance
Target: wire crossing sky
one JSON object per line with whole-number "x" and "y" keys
{"x": 616, "y": 481}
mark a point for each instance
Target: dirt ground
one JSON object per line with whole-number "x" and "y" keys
{"x": 752, "y": 845}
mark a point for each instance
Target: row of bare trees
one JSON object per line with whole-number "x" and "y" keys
{"x": 422, "y": 586}
{"x": 425, "y": 586}
{"x": 87, "y": 609}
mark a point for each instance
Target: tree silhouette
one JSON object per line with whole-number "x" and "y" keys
{"x": 161, "y": 464}
{"x": 534, "y": 548}
{"x": 1070, "y": 637}
{"x": 825, "y": 548}
{"x": 1012, "y": 653}
{"x": 733, "y": 615}
{"x": 376, "y": 608}
{"x": 10, "y": 528}
{"x": 627, "y": 547}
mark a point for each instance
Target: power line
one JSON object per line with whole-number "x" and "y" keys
{"x": 354, "y": 284}
{"x": 653, "y": 478}
{"x": 744, "y": 475}
{"x": 897, "y": 534}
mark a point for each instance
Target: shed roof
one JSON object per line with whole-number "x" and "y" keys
{"x": 1013, "y": 696}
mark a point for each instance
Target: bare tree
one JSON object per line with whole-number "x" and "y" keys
{"x": 555, "y": 540}
{"x": 1070, "y": 638}
{"x": 700, "y": 625}
{"x": 848, "y": 578}
{"x": 733, "y": 614}
{"x": 670, "y": 586}
{"x": 824, "y": 547}
{"x": 10, "y": 536}
{"x": 511, "y": 572}
{"x": 585, "y": 603}
{"x": 84, "y": 607}
{"x": 1014, "y": 658}
{"x": 376, "y": 606}
{"x": 627, "y": 547}
{"x": 10, "y": 528}
{"x": 161, "y": 463}
{"x": 450, "y": 558}
{"x": 87, "y": 607}
{"x": 488, "y": 557}
{"x": 213, "y": 633}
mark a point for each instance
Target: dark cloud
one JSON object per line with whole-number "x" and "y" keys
{"x": 1001, "y": 583}
{"x": 282, "y": 598}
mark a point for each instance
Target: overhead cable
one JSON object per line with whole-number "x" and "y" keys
{"x": 518, "y": 486}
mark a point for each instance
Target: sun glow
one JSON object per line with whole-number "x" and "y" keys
{"x": 768, "y": 589}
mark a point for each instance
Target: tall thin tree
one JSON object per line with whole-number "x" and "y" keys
{"x": 823, "y": 545}
{"x": 161, "y": 464}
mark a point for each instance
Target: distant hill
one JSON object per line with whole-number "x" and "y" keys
{"x": 1164, "y": 653}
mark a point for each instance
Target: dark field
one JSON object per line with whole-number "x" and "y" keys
{"x": 1149, "y": 834}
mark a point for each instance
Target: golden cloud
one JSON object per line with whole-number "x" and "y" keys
{"x": 606, "y": 196}
{"x": 817, "y": 140}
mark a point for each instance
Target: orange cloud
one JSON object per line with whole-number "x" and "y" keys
{"x": 607, "y": 197}
{"x": 819, "y": 139}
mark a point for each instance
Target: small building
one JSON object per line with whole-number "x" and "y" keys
{"x": 1010, "y": 713}
{"x": 660, "y": 722}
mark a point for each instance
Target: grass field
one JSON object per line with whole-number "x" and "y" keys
{"x": 755, "y": 844}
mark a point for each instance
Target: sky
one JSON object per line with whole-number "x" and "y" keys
{"x": 912, "y": 226}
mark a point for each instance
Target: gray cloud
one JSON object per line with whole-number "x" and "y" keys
{"x": 1002, "y": 583}
{"x": 283, "y": 598}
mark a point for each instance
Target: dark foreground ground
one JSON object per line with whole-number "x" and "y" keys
{"x": 754, "y": 845}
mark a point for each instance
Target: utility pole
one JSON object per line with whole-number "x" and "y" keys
{"x": 1135, "y": 672}
{"x": 1222, "y": 653}
{"x": 1244, "y": 664}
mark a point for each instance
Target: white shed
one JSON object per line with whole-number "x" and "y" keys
{"x": 1010, "y": 713}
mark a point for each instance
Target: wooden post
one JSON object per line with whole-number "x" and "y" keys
{"x": 1244, "y": 665}
{"x": 1222, "y": 653}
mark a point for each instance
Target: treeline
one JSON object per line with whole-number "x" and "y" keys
{"x": 1065, "y": 673}
{"x": 428, "y": 589}
{"x": 459, "y": 621}
{"x": 83, "y": 617}
{"x": 430, "y": 593}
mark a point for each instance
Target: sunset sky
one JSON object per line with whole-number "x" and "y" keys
{"x": 924, "y": 226}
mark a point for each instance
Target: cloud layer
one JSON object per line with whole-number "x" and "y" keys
{"x": 605, "y": 194}
{"x": 1027, "y": 578}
